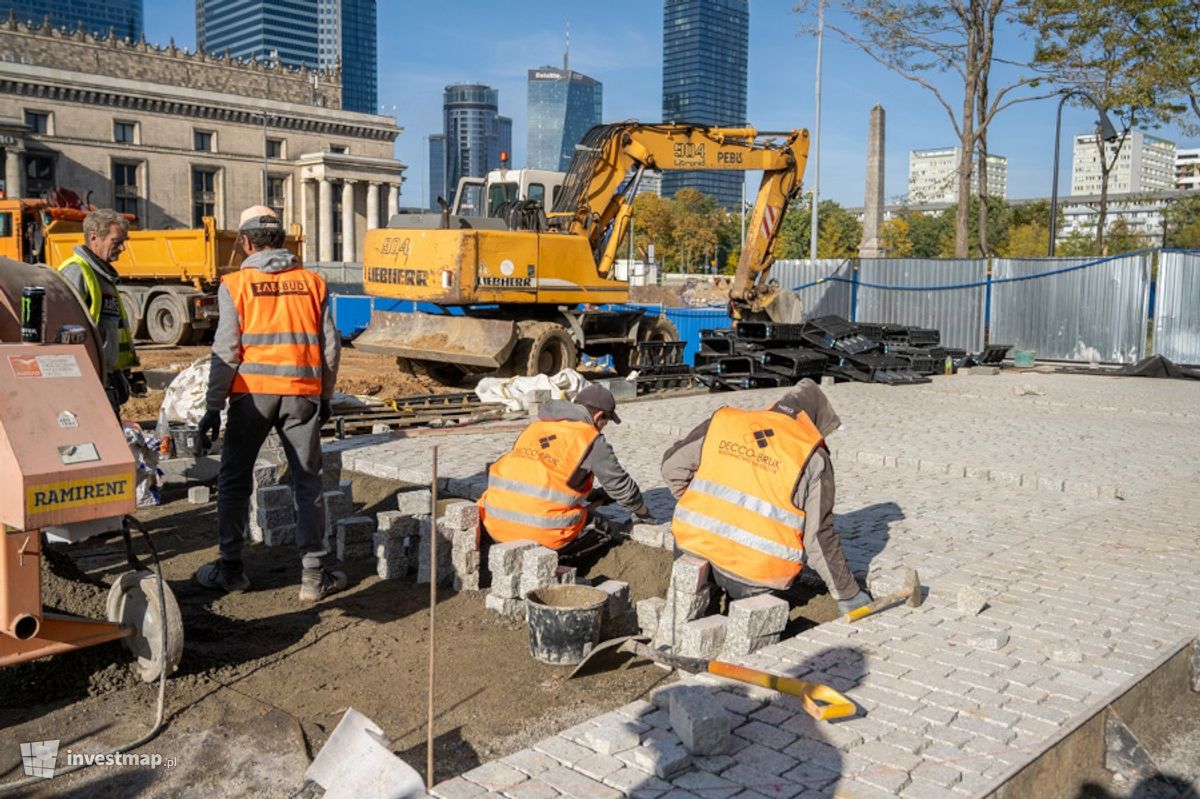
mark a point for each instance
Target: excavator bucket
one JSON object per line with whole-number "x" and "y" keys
{"x": 463, "y": 340}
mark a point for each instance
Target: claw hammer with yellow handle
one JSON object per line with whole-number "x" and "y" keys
{"x": 911, "y": 592}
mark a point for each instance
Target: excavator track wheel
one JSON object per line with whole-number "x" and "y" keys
{"x": 133, "y": 600}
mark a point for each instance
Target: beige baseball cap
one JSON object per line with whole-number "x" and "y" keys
{"x": 260, "y": 217}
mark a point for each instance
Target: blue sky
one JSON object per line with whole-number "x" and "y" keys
{"x": 424, "y": 46}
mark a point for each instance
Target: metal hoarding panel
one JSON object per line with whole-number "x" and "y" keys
{"x": 958, "y": 313}
{"x": 830, "y": 298}
{"x": 1097, "y": 313}
{"x": 1177, "y": 307}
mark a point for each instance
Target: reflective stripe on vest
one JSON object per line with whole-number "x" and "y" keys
{"x": 528, "y": 495}
{"x": 738, "y": 511}
{"x": 126, "y": 354}
{"x": 281, "y": 317}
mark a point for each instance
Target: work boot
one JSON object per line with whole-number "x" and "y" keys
{"x": 316, "y": 584}
{"x": 222, "y": 575}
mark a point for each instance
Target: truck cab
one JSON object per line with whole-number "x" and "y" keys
{"x": 486, "y": 196}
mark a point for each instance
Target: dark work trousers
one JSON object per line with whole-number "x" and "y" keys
{"x": 251, "y": 418}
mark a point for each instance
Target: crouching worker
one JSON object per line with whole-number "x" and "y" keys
{"x": 755, "y": 495}
{"x": 541, "y": 490}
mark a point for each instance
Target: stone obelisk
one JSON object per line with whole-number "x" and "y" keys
{"x": 871, "y": 245}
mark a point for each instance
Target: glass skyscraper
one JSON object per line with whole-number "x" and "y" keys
{"x": 124, "y": 17}
{"x": 437, "y": 170}
{"x": 311, "y": 33}
{"x": 705, "y": 47}
{"x": 475, "y": 133}
{"x": 563, "y": 105}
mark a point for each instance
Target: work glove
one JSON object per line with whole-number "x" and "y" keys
{"x": 210, "y": 423}
{"x": 118, "y": 386}
{"x": 643, "y": 516}
{"x": 598, "y": 496}
{"x": 326, "y": 411}
{"x": 857, "y": 601}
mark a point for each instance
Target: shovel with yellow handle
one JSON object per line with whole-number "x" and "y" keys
{"x": 821, "y": 701}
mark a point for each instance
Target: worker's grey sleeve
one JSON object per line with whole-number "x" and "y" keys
{"x": 682, "y": 459}
{"x": 226, "y": 351}
{"x": 821, "y": 543}
{"x": 73, "y": 273}
{"x": 602, "y": 462}
{"x": 331, "y": 350}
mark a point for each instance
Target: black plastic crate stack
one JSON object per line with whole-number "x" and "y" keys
{"x": 660, "y": 365}
{"x": 760, "y": 354}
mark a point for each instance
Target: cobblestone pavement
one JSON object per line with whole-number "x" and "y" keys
{"x": 1067, "y": 502}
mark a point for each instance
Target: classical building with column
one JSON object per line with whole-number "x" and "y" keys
{"x": 173, "y": 136}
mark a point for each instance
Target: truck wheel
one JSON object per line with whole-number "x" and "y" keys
{"x": 652, "y": 328}
{"x": 429, "y": 374}
{"x": 544, "y": 348}
{"x": 166, "y": 321}
{"x": 131, "y": 314}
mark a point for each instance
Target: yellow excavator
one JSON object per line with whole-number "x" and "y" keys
{"x": 519, "y": 291}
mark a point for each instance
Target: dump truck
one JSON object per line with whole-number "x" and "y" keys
{"x": 520, "y": 291}
{"x": 169, "y": 278}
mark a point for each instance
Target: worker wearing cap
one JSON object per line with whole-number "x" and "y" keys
{"x": 90, "y": 271}
{"x": 755, "y": 494}
{"x": 275, "y": 358}
{"x": 539, "y": 490}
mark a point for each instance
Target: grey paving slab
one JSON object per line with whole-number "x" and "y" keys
{"x": 1070, "y": 511}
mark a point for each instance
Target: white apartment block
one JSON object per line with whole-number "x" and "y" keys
{"x": 933, "y": 177}
{"x": 1187, "y": 169}
{"x": 1145, "y": 163}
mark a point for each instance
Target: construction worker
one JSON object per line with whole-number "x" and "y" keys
{"x": 541, "y": 490}
{"x": 755, "y": 494}
{"x": 275, "y": 357}
{"x": 89, "y": 269}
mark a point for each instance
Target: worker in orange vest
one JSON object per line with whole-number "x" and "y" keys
{"x": 755, "y": 494}
{"x": 275, "y": 357}
{"x": 541, "y": 490}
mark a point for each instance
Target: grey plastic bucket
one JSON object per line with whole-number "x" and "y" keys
{"x": 564, "y": 622}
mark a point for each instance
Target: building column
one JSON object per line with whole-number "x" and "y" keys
{"x": 393, "y": 205}
{"x": 13, "y": 173}
{"x": 348, "y": 247}
{"x": 308, "y": 218}
{"x": 325, "y": 221}
{"x": 372, "y": 206}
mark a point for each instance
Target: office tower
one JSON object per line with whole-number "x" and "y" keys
{"x": 437, "y": 170}
{"x": 475, "y": 133}
{"x": 705, "y": 46}
{"x": 123, "y": 17}
{"x": 562, "y": 106}
{"x": 933, "y": 176}
{"x": 311, "y": 33}
{"x": 1144, "y": 163}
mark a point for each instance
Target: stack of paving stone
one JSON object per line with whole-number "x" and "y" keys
{"x": 676, "y": 622}
{"x": 338, "y": 505}
{"x": 619, "y": 616}
{"x": 505, "y": 563}
{"x": 394, "y": 544}
{"x": 687, "y": 599}
{"x": 461, "y": 523}
{"x": 272, "y": 508}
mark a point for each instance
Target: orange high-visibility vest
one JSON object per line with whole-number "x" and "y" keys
{"x": 738, "y": 511}
{"x": 527, "y": 495}
{"x": 281, "y": 331}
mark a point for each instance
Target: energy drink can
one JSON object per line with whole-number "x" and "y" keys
{"x": 33, "y": 314}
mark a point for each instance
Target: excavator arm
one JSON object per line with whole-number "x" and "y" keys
{"x": 597, "y": 197}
